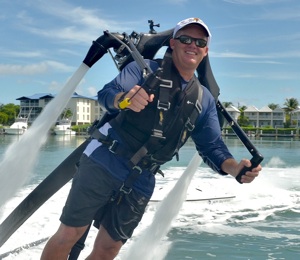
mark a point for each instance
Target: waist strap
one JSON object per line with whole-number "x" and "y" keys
{"x": 137, "y": 159}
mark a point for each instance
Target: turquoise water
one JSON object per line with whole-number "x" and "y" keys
{"x": 261, "y": 222}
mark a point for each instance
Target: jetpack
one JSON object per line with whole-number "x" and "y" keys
{"x": 126, "y": 48}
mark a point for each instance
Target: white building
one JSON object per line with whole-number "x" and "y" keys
{"x": 278, "y": 118}
{"x": 263, "y": 117}
{"x": 233, "y": 112}
{"x": 295, "y": 116}
{"x": 252, "y": 113}
{"x": 85, "y": 109}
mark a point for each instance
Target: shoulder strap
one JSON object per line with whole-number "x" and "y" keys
{"x": 169, "y": 82}
{"x": 197, "y": 105}
{"x": 193, "y": 112}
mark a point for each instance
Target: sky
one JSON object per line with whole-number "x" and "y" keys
{"x": 254, "y": 51}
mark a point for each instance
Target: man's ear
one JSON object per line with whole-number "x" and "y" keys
{"x": 206, "y": 52}
{"x": 172, "y": 43}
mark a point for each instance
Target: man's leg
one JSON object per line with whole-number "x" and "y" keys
{"x": 105, "y": 248}
{"x": 59, "y": 245}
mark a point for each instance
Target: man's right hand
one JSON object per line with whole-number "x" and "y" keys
{"x": 138, "y": 98}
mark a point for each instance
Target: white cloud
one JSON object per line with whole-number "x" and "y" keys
{"x": 24, "y": 16}
{"x": 11, "y": 69}
{"x": 34, "y": 69}
{"x": 55, "y": 86}
{"x": 233, "y": 55}
{"x": 77, "y": 24}
{"x": 25, "y": 54}
{"x": 92, "y": 91}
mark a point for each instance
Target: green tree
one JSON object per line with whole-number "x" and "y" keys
{"x": 290, "y": 105}
{"x": 11, "y": 110}
{"x": 273, "y": 106}
{"x": 243, "y": 120}
{"x": 227, "y": 104}
{"x": 67, "y": 113}
{"x": 3, "y": 118}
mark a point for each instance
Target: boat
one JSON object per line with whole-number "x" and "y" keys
{"x": 64, "y": 127}
{"x": 20, "y": 125}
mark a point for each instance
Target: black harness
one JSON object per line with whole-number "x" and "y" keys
{"x": 156, "y": 134}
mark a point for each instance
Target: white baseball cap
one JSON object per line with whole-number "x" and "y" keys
{"x": 188, "y": 21}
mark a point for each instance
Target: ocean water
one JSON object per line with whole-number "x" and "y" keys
{"x": 257, "y": 221}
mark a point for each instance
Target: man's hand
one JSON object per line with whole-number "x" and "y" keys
{"x": 138, "y": 98}
{"x": 249, "y": 176}
{"x": 233, "y": 168}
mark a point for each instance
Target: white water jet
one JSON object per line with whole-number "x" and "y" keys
{"x": 149, "y": 245}
{"x": 19, "y": 158}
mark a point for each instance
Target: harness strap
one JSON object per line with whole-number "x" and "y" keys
{"x": 128, "y": 183}
{"x": 137, "y": 161}
{"x": 140, "y": 157}
{"x": 163, "y": 105}
{"x": 191, "y": 120}
{"x": 163, "y": 102}
{"x": 112, "y": 144}
{"x": 190, "y": 124}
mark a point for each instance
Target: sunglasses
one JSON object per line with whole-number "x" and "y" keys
{"x": 184, "y": 39}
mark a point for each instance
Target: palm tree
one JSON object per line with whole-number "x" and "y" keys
{"x": 273, "y": 106}
{"x": 243, "y": 120}
{"x": 227, "y": 104}
{"x": 67, "y": 113}
{"x": 290, "y": 105}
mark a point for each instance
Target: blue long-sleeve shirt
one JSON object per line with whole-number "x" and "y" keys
{"x": 206, "y": 134}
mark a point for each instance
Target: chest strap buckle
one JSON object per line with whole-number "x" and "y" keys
{"x": 125, "y": 190}
{"x": 113, "y": 146}
{"x": 163, "y": 105}
{"x": 189, "y": 125}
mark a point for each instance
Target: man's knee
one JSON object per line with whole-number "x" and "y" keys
{"x": 105, "y": 252}
{"x": 105, "y": 246}
{"x": 66, "y": 236}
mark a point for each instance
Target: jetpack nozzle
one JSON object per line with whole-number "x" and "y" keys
{"x": 100, "y": 47}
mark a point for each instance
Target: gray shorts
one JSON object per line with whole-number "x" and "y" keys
{"x": 90, "y": 198}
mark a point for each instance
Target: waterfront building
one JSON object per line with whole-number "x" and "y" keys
{"x": 252, "y": 113}
{"x": 295, "y": 116}
{"x": 85, "y": 110}
{"x": 233, "y": 112}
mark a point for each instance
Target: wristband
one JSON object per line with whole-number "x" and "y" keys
{"x": 121, "y": 99}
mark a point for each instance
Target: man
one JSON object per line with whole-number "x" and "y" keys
{"x": 116, "y": 175}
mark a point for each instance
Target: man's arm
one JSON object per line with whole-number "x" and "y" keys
{"x": 129, "y": 77}
{"x": 211, "y": 147}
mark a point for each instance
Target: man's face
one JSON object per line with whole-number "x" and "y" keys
{"x": 188, "y": 56}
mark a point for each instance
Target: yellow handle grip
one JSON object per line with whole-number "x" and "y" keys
{"x": 124, "y": 103}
